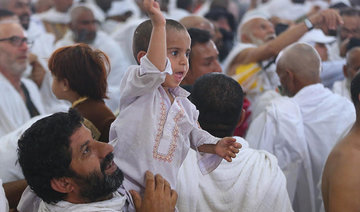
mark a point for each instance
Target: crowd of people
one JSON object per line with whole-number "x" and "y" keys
{"x": 179, "y": 105}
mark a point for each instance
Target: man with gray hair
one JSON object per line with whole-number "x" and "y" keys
{"x": 301, "y": 128}
{"x": 251, "y": 61}
{"x": 84, "y": 29}
{"x": 350, "y": 69}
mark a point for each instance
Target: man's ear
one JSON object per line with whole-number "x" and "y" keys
{"x": 62, "y": 185}
{"x": 242, "y": 118}
{"x": 139, "y": 55}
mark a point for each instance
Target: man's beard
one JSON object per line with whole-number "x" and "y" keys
{"x": 24, "y": 21}
{"x": 258, "y": 41}
{"x": 98, "y": 185}
{"x": 85, "y": 36}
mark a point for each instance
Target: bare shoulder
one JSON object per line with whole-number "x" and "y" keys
{"x": 341, "y": 176}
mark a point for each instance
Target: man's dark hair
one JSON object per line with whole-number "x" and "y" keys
{"x": 219, "y": 99}
{"x": 44, "y": 153}
{"x": 142, "y": 34}
{"x": 198, "y": 36}
{"x": 355, "y": 90}
{"x": 185, "y": 4}
{"x": 6, "y": 13}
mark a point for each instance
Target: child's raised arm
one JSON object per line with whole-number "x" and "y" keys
{"x": 157, "y": 46}
{"x": 226, "y": 148}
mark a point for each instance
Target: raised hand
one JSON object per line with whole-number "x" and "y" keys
{"x": 152, "y": 8}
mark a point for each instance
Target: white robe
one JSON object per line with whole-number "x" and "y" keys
{"x": 117, "y": 203}
{"x": 13, "y": 109}
{"x": 118, "y": 63}
{"x": 4, "y": 206}
{"x": 153, "y": 134}
{"x": 342, "y": 88}
{"x": 10, "y": 169}
{"x": 54, "y": 16}
{"x": 301, "y": 131}
{"x": 252, "y": 182}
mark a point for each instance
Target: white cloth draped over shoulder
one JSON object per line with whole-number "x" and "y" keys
{"x": 253, "y": 181}
{"x": 10, "y": 169}
{"x": 13, "y": 109}
{"x": 53, "y": 16}
{"x": 4, "y": 206}
{"x": 153, "y": 134}
{"x": 342, "y": 88}
{"x": 118, "y": 63}
{"x": 115, "y": 204}
{"x": 301, "y": 131}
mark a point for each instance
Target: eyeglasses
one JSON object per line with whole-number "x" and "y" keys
{"x": 16, "y": 40}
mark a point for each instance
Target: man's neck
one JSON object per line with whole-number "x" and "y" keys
{"x": 13, "y": 79}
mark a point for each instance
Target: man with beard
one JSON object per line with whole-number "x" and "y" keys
{"x": 84, "y": 29}
{"x": 350, "y": 69}
{"x": 20, "y": 97}
{"x": 70, "y": 171}
{"x": 302, "y": 128}
{"x": 349, "y": 30}
{"x": 21, "y": 8}
{"x": 251, "y": 61}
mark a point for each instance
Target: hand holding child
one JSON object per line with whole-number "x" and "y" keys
{"x": 227, "y": 148}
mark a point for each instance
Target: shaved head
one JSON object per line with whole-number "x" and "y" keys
{"x": 303, "y": 60}
{"x": 298, "y": 66}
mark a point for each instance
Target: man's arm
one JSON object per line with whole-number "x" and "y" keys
{"x": 13, "y": 192}
{"x": 158, "y": 195}
{"x": 325, "y": 20}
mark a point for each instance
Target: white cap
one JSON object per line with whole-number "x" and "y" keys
{"x": 316, "y": 36}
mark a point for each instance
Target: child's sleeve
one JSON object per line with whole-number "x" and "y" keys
{"x": 142, "y": 80}
{"x": 207, "y": 162}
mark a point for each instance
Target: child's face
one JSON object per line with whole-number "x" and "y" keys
{"x": 178, "y": 51}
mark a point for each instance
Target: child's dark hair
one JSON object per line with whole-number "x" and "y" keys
{"x": 83, "y": 67}
{"x": 142, "y": 35}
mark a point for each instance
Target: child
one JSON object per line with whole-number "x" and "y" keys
{"x": 79, "y": 76}
{"x": 157, "y": 124}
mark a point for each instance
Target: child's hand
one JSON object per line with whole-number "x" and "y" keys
{"x": 227, "y": 148}
{"x": 152, "y": 8}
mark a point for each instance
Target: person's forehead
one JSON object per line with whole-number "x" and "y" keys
{"x": 79, "y": 137}
{"x": 84, "y": 15}
{"x": 351, "y": 21}
{"x": 205, "y": 50}
{"x": 11, "y": 29}
{"x": 173, "y": 35}
{"x": 355, "y": 57}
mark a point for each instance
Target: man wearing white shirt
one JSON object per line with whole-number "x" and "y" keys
{"x": 21, "y": 8}
{"x": 20, "y": 97}
{"x": 350, "y": 69}
{"x": 252, "y": 182}
{"x": 301, "y": 129}
{"x": 84, "y": 29}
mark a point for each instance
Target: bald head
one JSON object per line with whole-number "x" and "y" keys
{"x": 298, "y": 66}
